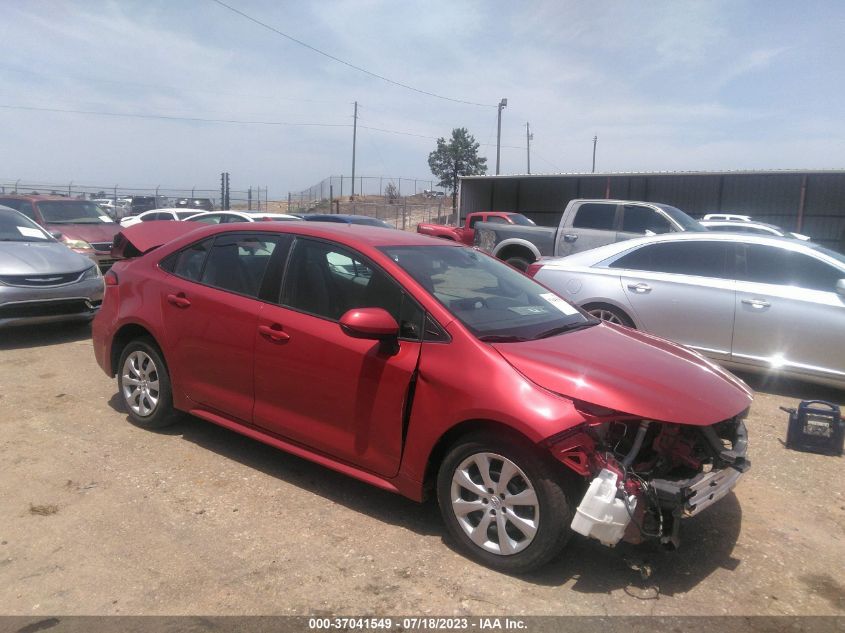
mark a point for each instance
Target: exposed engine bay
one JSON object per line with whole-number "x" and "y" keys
{"x": 644, "y": 476}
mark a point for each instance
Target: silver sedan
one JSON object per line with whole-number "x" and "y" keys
{"x": 754, "y": 303}
{"x": 42, "y": 280}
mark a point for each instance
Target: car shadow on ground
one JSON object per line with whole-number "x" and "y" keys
{"x": 23, "y": 336}
{"x": 643, "y": 571}
{"x": 791, "y": 388}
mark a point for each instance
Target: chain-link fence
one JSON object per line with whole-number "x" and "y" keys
{"x": 252, "y": 198}
{"x": 390, "y": 188}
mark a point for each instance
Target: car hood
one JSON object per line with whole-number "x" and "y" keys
{"x": 631, "y": 372}
{"x": 104, "y": 232}
{"x": 39, "y": 258}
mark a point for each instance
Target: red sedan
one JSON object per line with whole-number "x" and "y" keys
{"x": 422, "y": 366}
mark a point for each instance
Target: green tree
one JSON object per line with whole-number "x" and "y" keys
{"x": 458, "y": 157}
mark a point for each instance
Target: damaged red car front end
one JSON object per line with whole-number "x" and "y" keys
{"x": 655, "y": 446}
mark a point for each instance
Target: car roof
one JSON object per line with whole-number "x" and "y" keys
{"x": 746, "y": 223}
{"x": 146, "y": 236}
{"x": 595, "y": 255}
{"x": 39, "y": 197}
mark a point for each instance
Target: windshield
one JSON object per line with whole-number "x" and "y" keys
{"x": 496, "y": 302}
{"x": 521, "y": 220}
{"x": 686, "y": 222}
{"x": 15, "y": 227}
{"x": 72, "y": 212}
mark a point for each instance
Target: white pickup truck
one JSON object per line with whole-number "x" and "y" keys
{"x": 585, "y": 224}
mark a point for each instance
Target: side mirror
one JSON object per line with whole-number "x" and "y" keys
{"x": 56, "y": 234}
{"x": 840, "y": 287}
{"x": 369, "y": 323}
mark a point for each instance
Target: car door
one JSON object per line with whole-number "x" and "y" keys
{"x": 683, "y": 291}
{"x": 788, "y": 314}
{"x": 594, "y": 224}
{"x": 210, "y": 305}
{"x": 318, "y": 386}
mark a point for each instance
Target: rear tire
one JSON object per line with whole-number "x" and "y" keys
{"x": 144, "y": 385}
{"x": 611, "y": 314}
{"x": 504, "y": 503}
{"x": 520, "y": 263}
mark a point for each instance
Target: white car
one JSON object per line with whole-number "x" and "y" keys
{"x": 157, "y": 214}
{"x": 226, "y": 217}
{"x": 744, "y": 224}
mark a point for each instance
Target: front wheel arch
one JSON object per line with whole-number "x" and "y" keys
{"x": 609, "y": 312}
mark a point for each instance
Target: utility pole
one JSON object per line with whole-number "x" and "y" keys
{"x": 528, "y": 138}
{"x": 502, "y": 105}
{"x": 595, "y": 140}
{"x": 354, "y": 138}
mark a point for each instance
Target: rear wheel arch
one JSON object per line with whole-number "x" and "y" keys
{"x": 516, "y": 251}
{"x": 125, "y": 335}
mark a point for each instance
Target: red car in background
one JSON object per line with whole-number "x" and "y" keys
{"x": 423, "y": 367}
{"x": 466, "y": 234}
{"x": 84, "y": 226}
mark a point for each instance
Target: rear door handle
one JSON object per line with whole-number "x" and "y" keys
{"x": 569, "y": 237}
{"x": 274, "y": 333}
{"x": 758, "y": 304}
{"x": 180, "y": 300}
{"x": 641, "y": 287}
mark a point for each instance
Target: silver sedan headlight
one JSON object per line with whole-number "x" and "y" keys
{"x": 91, "y": 273}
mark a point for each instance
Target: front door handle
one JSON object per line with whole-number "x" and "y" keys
{"x": 274, "y": 333}
{"x": 758, "y": 304}
{"x": 641, "y": 287}
{"x": 569, "y": 237}
{"x": 180, "y": 300}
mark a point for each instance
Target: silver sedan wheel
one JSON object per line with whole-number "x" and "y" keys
{"x": 495, "y": 503}
{"x": 139, "y": 379}
{"x": 606, "y": 315}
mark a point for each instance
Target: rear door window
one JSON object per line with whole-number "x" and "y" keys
{"x": 595, "y": 216}
{"x": 236, "y": 262}
{"x": 24, "y": 206}
{"x": 701, "y": 259}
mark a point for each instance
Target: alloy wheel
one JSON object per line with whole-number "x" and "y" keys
{"x": 140, "y": 383}
{"x": 495, "y": 503}
{"x": 606, "y": 315}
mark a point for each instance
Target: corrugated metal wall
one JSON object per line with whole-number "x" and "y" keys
{"x": 811, "y": 202}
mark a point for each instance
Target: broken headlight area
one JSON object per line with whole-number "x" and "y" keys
{"x": 644, "y": 476}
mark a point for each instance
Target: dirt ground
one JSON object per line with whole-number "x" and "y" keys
{"x": 102, "y": 517}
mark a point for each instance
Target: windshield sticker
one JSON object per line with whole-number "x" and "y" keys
{"x": 105, "y": 218}
{"x": 559, "y": 303}
{"x": 528, "y": 310}
{"x": 30, "y": 232}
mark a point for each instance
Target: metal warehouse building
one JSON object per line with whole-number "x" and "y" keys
{"x": 809, "y": 202}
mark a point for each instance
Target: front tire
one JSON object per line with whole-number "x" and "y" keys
{"x": 611, "y": 314}
{"x": 504, "y": 503}
{"x": 144, "y": 385}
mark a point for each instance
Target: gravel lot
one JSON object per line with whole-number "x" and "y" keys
{"x": 101, "y": 517}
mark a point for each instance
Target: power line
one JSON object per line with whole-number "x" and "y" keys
{"x": 163, "y": 88}
{"x": 346, "y": 63}
{"x": 171, "y": 118}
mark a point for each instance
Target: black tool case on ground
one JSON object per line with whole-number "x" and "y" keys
{"x": 815, "y": 426}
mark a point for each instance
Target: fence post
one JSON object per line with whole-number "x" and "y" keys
{"x": 331, "y": 197}
{"x": 341, "y": 185}
{"x": 192, "y": 190}
{"x": 157, "y": 188}
{"x": 404, "y": 213}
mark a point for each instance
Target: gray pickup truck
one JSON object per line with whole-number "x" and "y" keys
{"x": 585, "y": 224}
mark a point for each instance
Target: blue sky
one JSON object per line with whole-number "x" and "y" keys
{"x": 665, "y": 86}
